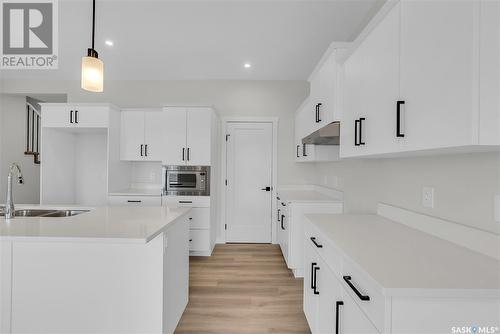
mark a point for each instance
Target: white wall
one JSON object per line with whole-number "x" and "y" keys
{"x": 465, "y": 185}
{"x": 230, "y": 98}
{"x": 13, "y": 145}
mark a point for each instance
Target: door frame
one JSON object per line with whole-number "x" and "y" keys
{"x": 274, "y": 164}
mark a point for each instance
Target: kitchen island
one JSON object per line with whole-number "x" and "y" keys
{"x": 108, "y": 270}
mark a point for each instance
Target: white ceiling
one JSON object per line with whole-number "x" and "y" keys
{"x": 182, "y": 40}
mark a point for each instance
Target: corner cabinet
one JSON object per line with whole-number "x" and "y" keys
{"x": 190, "y": 132}
{"x": 422, "y": 78}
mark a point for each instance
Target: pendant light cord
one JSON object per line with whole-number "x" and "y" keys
{"x": 93, "y": 23}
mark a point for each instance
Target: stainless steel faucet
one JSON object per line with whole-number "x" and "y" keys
{"x": 9, "y": 205}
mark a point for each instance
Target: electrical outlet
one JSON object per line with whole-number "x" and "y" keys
{"x": 428, "y": 197}
{"x": 497, "y": 208}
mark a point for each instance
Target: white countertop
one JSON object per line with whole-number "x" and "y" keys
{"x": 136, "y": 192}
{"x": 406, "y": 261}
{"x": 109, "y": 224}
{"x": 305, "y": 196}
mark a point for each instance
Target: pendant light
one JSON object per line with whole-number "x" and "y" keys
{"x": 92, "y": 66}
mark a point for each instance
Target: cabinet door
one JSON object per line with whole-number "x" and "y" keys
{"x": 371, "y": 85}
{"x": 352, "y": 320}
{"x": 437, "y": 73}
{"x": 66, "y": 115}
{"x": 324, "y": 91}
{"x": 155, "y": 136}
{"x": 330, "y": 292}
{"x": 90, "y": 116}
{"x": 175, "y": 128}
{"x": 311, "y": 300}
{"x": 199, "y": 129}
{"x": 132, "y": 135}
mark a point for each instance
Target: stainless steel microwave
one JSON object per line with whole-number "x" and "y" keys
{"x": 186, "y": 180}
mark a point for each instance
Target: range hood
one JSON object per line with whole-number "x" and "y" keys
{"x": 327, "y": 135}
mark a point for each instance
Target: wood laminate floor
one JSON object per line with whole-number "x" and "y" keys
{"x": 243, "y": 288}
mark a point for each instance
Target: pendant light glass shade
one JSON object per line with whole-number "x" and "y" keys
{"x": 92, "y": 74}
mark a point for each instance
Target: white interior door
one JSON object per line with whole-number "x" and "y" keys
{"x": 249, "y": 172}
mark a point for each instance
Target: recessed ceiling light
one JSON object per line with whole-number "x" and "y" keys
{"x": 109, "y": 42}
{"x": 247, "y": 65}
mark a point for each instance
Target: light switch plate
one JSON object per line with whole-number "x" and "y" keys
{"x": 497, "y": 208}
{"x": 428, "y": 197}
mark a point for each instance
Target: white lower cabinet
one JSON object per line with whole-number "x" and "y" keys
{"x": 199, "y": 218}
{"x": 341, "y": 298}
{"x": 134, "y": 200}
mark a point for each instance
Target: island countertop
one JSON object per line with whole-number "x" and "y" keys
{"x": 102, "y": 224}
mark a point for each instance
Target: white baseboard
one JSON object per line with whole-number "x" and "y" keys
{"x": 200, "y": 253}
{"x": 480, "y": 241}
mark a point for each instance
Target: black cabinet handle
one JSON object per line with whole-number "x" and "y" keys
{"x": 146, "y": 150}
{"x": 398, "y": 118}
{"x": 142, "y": 147}
{"x": 185, "y": 202}
{"x": 279, "y": 210}
{"x": 356, "y": 123}
{"x": 188, "y": 154}
{"x": 134, "y": 201}
{"x": 316, "y": 292}
{"x": 361, "y": 142}
{"x": 317, "y": 114}
{"x": 304, "y": 150}
{"x": 190, "y": 240}
{"x": 318, "y": 106}
{"x": 71, "y": 116}
{"x": 76, "y": 116}
{"x": 313, "y": 264}
{"x": 337, "y": 315}
{"x": 282, "y": 220}
{"x": 347, "y": 279}
{"x": 298, "y": 146}
{"x": 313, "y": 239}
{"x": 266, "y": 189}
{"x": 183, "y": 152}
{"x": 283, "y": 204}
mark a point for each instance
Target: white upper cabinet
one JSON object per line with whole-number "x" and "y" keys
{"x": 189, "y": 132}
{"x": 370, "y": 92}
{"x": 62, "y": 115}
{"x": 142, "y": 135}
{"x": 424, "y": 76}
{"x": 437, "y": 74}
{"x": 175, "y": 128}
{"x": 198, "y": 142}
{"x": 325, "y": 91}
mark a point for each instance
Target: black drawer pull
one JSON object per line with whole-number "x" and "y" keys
{"x": 282, "y": 203}
{"x": 313, "y": 239}
{"x": 282, "y": 220}
{"x": 185, "y": 202}
{"x": 347, "y": 279}
{"x": 190, "y": 240}
{"x": 337, "y": 315}
{"x": 134, "y": 201}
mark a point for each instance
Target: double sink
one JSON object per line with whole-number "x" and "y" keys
{"x": 44, "y": 213}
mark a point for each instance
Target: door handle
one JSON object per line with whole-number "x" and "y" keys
{"x": 337, "y": 315}
{"x": 266, "y": 189}
{"x": 347, "y": 279}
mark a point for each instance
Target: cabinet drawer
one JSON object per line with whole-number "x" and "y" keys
{"x": 328, "y": 251}
{"x": 187, "y": 201}
{"x": 199, "y": 240}
{"x": 199, "y": 218}
{"x": 134, "y": 200}
{"x": 360, "y": 281}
